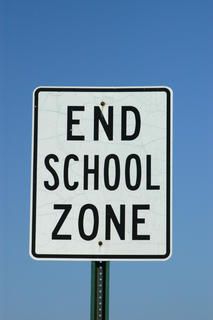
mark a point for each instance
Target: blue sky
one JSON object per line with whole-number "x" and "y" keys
{"x": 111, "y": 43}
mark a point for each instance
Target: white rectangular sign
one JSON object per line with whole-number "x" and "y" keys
{"x": 101, "y": 173}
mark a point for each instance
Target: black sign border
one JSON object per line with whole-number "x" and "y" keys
{"x": 34, "y": 175}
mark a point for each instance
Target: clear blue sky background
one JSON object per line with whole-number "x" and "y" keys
{"x": 108, "y": 43}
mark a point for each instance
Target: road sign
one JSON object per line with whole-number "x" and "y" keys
{"x": 101, "y": 173}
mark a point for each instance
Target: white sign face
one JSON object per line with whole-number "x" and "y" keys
{"x": 101, "y": 173}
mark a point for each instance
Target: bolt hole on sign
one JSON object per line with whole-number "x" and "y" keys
{"x": 101, "y": 173}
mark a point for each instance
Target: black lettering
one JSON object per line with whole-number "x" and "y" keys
{"x": 124, "y": 135}
{"x": 107, "y": 172}
{"x": 54, "y": 174}
{"x": 108, "y": 127}
{"x": 66, "y": 172}
{"x": 138, "y": 172}
{"x": 55, "y": 235}
{"x": 81, "y": 222}
{"x": 149, "y": 185}
{"x": 119, "y": 226}
{"x": 71, "y": 122}
{"x": 136, "y": 221}
{"x": 88, "y": 171}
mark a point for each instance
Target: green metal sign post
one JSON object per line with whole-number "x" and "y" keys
{"x": 100, "y": 290}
